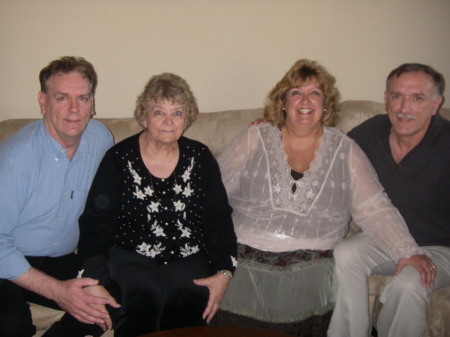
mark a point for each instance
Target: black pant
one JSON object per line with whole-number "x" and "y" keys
{"x": 158, "y": 297}
{"x": 15, "y": 315}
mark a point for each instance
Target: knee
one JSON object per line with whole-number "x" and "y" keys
{"x": 406, "y": 285}
{"x": 407, "y": 282}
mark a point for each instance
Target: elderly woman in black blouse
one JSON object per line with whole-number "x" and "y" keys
{"x": 157, "y": 223}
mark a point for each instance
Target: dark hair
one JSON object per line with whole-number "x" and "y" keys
{"x": 65, "y": 65}
{"x": 438, "y": 79}
{"x": 166, "y": 86}
{"x": 302, "y": 71}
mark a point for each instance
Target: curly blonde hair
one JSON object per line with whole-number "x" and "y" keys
{"x": 166, "y": 86}
{"x": 302, "y": 71}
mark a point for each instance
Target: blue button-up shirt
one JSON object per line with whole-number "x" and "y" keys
{"x": 42, "y": 193}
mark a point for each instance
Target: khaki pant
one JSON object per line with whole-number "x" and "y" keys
{"x": 404, "y": 299}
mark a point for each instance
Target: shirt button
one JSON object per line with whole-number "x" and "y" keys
{"x": 56, "y": 159}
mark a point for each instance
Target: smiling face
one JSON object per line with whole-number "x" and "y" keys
{"x": 165, "y": 121}
{"x": 304, "y": 105}
{"x": 411, "y": 101}
{"x": 67, "y": 107}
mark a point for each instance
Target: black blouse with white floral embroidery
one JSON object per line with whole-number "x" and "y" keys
{"x": 163, "y": 219}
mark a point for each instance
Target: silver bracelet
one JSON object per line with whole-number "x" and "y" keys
{"x": 225, "y": 272}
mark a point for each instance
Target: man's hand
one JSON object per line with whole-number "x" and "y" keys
{"x": 217, "y": 285}
{"x": 69, "y": 295}
{"x": 100, "y": 291}
{"x": 424, "y": 265}
{"x": 257, "y": 121}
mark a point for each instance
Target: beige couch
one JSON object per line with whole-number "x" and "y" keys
{"x": 216, "y": 129}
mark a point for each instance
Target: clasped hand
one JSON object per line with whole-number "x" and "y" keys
{"x": 85, "y": 300}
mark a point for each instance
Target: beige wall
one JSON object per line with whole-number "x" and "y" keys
{"x": 231, "y": 52}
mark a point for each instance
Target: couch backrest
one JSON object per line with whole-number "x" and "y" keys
{"x": 216, "y": 129}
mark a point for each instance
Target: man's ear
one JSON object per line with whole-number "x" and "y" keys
{"x": 385, "y": 100}
{"x": 93, "y": 107}
{"x": 437, "y": 103}
{"x": 42, "y": 99}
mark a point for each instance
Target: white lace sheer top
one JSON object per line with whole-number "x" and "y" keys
{"x": 340, "y": 184}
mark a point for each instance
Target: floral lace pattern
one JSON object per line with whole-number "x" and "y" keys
{"x": 309, "y": 186}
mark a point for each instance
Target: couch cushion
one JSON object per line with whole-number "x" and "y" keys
{"x": 353, "y": 113}
{"x": 216, "y": 129}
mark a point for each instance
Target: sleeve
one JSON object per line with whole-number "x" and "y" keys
{"x": 99, "y": 219}
{"x": 373, "y": 211}
{"x": 13, "y": 184}
{"x": 221, "y": 242}
{"x": 235, "y": 156}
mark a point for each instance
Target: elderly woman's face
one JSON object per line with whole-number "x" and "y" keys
{"x": 165, "y": 121}
{"x": 304, "y": 104}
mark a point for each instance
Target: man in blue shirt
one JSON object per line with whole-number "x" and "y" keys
{"x": 409, "y": 147}
{"x": 46, "y": 170}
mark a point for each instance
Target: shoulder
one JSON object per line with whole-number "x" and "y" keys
{"x": 441, "y": 123}
{"x": 335, "y": 135}
{"x": 98, "y": 127}
{"x": 439, "y": 132}
{"x": 190, "y": 148}
{"x": 23, "y": 141}
{"x": 371, "y": 125}
{"x": 263, "y": 128}
{"x": 370, "y": 130}
{"x": 263, "y": 132}
{"x": 125, "y": 145}
{"x": 98, "y": 130}
{"x": 192, "y": 145}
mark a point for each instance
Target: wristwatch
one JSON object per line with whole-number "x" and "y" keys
{"x": 225, "y": 272}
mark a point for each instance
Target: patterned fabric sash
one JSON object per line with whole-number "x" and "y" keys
{"x": 281, "y": 259}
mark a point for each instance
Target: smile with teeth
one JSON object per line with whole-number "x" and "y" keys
{"x": 304, "y": 111}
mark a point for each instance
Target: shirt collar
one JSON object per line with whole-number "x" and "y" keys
{"x": 59, "y": 151}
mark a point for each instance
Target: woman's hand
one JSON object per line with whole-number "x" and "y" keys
{"x": 100, "y": 291}
{"x": 217, "y": 285}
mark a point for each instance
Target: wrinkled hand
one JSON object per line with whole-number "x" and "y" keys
{"x": 257, "y": 121}
{"x": 217, "y": 285}
{"x": 72, "y": 298}
{"x": 424, "y": 265}
{"x": 100, "y": 291}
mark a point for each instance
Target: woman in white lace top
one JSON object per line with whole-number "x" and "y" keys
{"x": 295, "y": 182}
